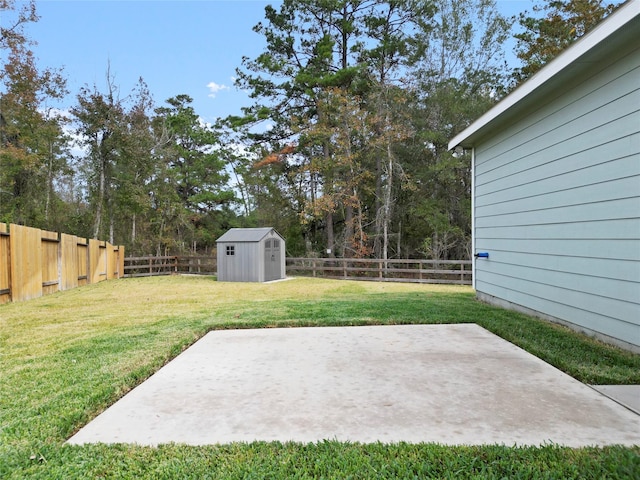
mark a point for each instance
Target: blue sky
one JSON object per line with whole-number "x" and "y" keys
{"x": 188, "y": 46}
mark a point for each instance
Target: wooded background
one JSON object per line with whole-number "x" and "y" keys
{"x": 344, "y": 150}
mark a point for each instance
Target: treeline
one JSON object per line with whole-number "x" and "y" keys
{"x": 344, "y": 150}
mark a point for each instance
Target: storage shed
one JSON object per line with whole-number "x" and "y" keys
{"x": 556, "y": 187}
{"x": 251, "y": 255}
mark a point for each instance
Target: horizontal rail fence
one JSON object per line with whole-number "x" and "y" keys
{"x": 168, "y": 265}
{"x": 36, "y": 262}
{"x": 396, "y": 270}
{"x": 418, "y": 271}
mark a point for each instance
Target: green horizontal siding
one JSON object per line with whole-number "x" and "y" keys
{"x": 557, "y": 205}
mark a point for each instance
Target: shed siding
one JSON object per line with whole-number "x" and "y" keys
{"x": 248, "y": 262}
{"x": 244, "y": 266}
{"x": 557, "y": 205}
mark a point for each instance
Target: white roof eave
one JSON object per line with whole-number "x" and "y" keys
{"x": 625, "y": 14}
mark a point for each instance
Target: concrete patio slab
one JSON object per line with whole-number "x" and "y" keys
{"x": 627, "y": 395}
{"x": 450, "y": 384}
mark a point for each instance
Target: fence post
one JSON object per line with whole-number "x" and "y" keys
{"x": 121, "y": 252}
{"x": 344, "y": 268}
{"x": 5, "y": 265}
{"x": 87, "y": 260}
{"x": 314, "y": 267}
{"x": 60, "y": 260}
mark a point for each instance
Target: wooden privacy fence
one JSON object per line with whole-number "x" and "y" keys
{"x": 36, "y": 262}
{"x": 419, "y": 271}
{"x": 396, "y": 270}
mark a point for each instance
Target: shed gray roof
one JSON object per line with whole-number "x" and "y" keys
{"x": 246, "y": 234}
{"x": 620, "y": 28}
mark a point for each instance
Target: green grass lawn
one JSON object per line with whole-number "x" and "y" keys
{"x": 64, "y": 358}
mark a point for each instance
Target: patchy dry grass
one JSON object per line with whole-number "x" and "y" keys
{"x": 65, "y": 357}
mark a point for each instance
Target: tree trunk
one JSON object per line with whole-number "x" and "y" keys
{"x": 349, "y": 237}
{"x": 133, "y": 229}
{"x": 49, "y": 182}
{"x": 100, "y": 202}
{"x": 330, "y": 238}
{"x": 386, "y": 216}
{"x": 111, "y": 225}
{"x": 378, "y": 209}
{"x": 329, "y": 216}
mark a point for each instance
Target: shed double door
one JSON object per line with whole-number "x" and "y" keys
{"x": 272, "y": 260}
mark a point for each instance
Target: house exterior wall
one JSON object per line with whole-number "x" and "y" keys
{"x": 557, "y": 205}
